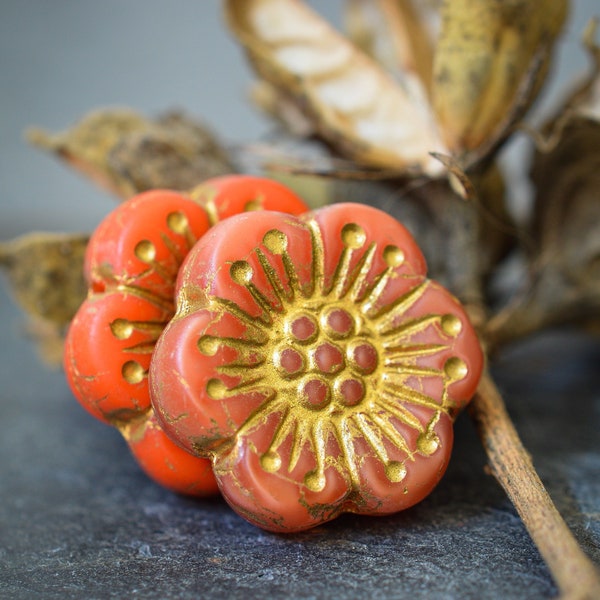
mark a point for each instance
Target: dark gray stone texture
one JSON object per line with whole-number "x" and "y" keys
{"x": 78, "y": 519}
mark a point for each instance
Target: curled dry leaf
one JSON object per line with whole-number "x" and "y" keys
{"x": 45, "y": 272}
{"x": 565, "y": 267}
{"x": 127, "y": 153}
{"x": 397, "y": 33}
{"x": 353, "y": 103}
{"x": 584, "y": 101}
{"x": 282, "y": 108}
{"x": 491, "y": 60}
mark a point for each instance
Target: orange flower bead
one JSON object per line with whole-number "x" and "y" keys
{"x": 315, "y": 364}
{"x": 132, "y": 263}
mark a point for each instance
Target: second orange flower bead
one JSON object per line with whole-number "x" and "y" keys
{"x": 132, "y": 263}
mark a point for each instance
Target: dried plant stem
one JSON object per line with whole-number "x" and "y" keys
{"x": 574, "y": 573}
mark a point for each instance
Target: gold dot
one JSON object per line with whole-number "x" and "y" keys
{"x": 427, "y": 443}
{"x": 353, "y": 236}
{"x": 393, "y": 256}
{"x": 395, "y": 471}
{"x": 451, "y": 325}
{"x": 133, "y": 372}
{"x": 255, "y": 204}
{"x": 145, "y": 251}
{"x": 208, "y": 345}
{"x": 177, "y": 222}
{"x": 241, "y": 272}
{"x": 315, "y": 481}
{"x": 275, "y": 241}
{"x": 270, "y": 461}
{"x": 455, "y": 368}
{"x": 121, "y": 329}
{"x": 216, "y": 389}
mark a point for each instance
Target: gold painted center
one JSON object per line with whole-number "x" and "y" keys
{"x": 333, "y": 361}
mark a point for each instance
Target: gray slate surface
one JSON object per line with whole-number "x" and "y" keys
{"x": 79, "y": 520}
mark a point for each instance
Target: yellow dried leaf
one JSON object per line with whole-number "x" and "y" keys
{"x": 564, "y": 260}
{"x": 585, "y": 99}
{"x": 281, "y": 108}
{"x": 396, "y": 33}
{"x": 491, "y": 59}
{"x": 354, "y": 104}
{"x": 45, "y": 271}
{"x": 127, "y": 153}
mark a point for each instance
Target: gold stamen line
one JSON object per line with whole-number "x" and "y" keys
{"x": 398, "y": 353}
{"x": 284, "y": 428}
{"x": 299, "y": 438}
{"x": 210, "y": 344}
{"x": 274, "y": 280}
{"x": 362, "y": 270}
{"x": 290, "y": 271}
{"x": 404, "y": 369}
{"x": 263, "y": 302}
{"x": 408, "y": 327}
{"x": 141, "y": 348}
{"x": 143, "y": 293}
{"x": 318, "y": 439}
{"x": 375, "y": 292}
{"x": 345, "y": 441}
{"x": 341, "y": 273}
{"x": 392, "y": 434}
{"x": 318, "y": 258}
{"x": 217, "y": 304}
{"x": 370, "y": 436}
{"x": 406, "y": 394}
{"x": 271, "y": 405}
{"x": 384, "y": 319}
{"x": 210, "y": 207}
{"x": 172, "y": 248}
{"x": 390, "y": 404}
{"x": 240, "y": 368}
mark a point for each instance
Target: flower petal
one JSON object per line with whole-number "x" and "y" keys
{"x": 107, "y": 353}
{"x": 316, "y": 365}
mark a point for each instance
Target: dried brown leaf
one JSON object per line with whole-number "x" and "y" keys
{"x": 127, "y": 153}
{"x": 564, "y": 282}
{"x": 585, "y": 100}
{"x": 397, "y": 33}
{"x": 45, "y": 272}
{"x": 280, "y": 107}
{"x": 567, "y": 211}
{"x": 491, "y": 60}
{"x": 354, "y": 104}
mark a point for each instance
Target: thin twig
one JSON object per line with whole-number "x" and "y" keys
{"x": 574, "y": 573}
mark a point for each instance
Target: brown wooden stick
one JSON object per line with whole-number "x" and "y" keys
{"x": 574, "y": 573}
